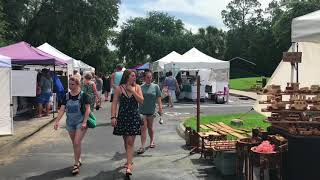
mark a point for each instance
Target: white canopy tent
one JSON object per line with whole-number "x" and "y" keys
{"x": 306, "y": 35}
{"x": 214, "y": 72}
{"x": 72, "y": 63}
{"x": 306, "y": 28}
{"x": 47, "y": 48}
{"x": 159, "y": 64}
{"x": 6, "y": 121}
{"x": 195, "y": 59}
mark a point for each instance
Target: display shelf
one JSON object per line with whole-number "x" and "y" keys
{"x": 289, "y": 111}
{"x": 292, "y": 122}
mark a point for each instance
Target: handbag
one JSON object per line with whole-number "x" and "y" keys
{"x": 92, "y": 120}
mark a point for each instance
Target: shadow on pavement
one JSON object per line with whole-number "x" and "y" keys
{"x": 53, "y": 175}
{"x": 118, "y": 156}
{"x": 103, "y": 124}
{"x": 112, "y": 174}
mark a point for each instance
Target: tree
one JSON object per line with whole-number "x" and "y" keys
{"x": 211, "y": 41}
{"x": 3, "y": 26}
{"x": 150, "y": 38}
{"x": 241, "y": 12}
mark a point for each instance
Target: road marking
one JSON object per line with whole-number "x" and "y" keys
{"x": 175, "y": 113}
{"x": 212, "y": 106}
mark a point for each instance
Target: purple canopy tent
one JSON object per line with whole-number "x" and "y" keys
{"x": 24, "y": 54}
{"x": 144, "y": 67}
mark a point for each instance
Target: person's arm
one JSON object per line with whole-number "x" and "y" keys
{"x": 114, "y": 105}
{"x": 160, "y": 105}
{"x": 95, "y": 90}
{"x": 60, "y": 114}
{"x": 86, "y": 114}
{"x": 158, "y": 95}
{"x": 136, "y": 92}
{"x": 177, "y": 86}
{"x": 112, "y": 81}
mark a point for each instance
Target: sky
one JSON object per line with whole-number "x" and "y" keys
{"x": 193, "y": 13}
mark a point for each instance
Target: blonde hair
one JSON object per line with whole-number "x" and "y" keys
{"x": 74, "y": 79}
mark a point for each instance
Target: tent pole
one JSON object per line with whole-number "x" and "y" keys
{"x": 198, "y": 103}
{"x": 54, "y": 91}
{"x": 297, "y": 65}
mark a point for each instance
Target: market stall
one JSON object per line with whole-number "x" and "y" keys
{"x": 214, "y": 73}
{"x": 6, "y": 121}
{"x": 23, "y": 54}
{"x": 291, "y": 99}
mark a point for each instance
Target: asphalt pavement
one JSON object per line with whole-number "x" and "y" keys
{"x": 47, "y": 155}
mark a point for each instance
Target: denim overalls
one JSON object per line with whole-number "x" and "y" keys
{"x": 74, "y": 114}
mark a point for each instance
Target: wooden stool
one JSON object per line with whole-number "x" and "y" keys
{"x": 265, "y": 161}
{"x": 243, "y": 147}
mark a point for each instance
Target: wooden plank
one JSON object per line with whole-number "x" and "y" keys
{"x": 204, "y": 127}
{"x": 228, "y": 127}
{"x": 217, "y": 128}
{"x": 221, "y": 128}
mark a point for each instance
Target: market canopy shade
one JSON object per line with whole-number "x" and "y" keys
{"x": 144, "y": 66}
{"x": 195, "y": 59}
{"x": 159, "y": 64}
{"x": 45, "y": 47}
{"x": 5, "y": 61}
{"x": 24, "y": 53}
{"x": 306, "y": 28}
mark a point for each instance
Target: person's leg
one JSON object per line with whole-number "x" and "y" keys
{"x": 47, "y": 105}
{"x": 150, "y": 130}
{"x": 79, "y": 134}
{"x": 130, "y": 148}
{"x": 143, "y": 134}
{"x": 72, "y": 135}
{"x": 40, "y": 110}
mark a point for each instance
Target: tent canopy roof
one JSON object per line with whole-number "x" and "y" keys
{"x": 195, "y": 59}
{"x": 306, "y": 28}
{"x": 24, "y": 53}
{"x": 144, "y": 66}
{"x": 159, "y": 64}
{"x": 5, "y": 61}
{"x": 194, "y": 55}
{"x": 45, "y": 47}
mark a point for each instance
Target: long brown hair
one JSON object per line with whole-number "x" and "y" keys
{"x": 126, "y": 75}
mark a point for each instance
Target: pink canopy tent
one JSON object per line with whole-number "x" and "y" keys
{"x": 23, "y": 53}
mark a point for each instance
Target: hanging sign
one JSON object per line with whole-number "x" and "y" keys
{"x": 293, "y": 57}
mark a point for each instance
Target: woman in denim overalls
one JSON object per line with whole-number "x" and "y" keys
{"x": 76, "y": 122}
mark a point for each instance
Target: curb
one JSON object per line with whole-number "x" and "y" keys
{"x": 180, "y": 130}
{"x": 240, "y": 95}
{"x": 16, "y": 141}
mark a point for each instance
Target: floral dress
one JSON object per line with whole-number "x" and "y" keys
{"x": 128, "y": 121}
{"x": 89, "y": 91}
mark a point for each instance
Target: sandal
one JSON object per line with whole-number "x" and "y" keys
{"x": 76, "y": 169}
{"x": 152, "y": 146}
{"x": 126, "y": 165}
{"x": 140, "y": 151}
{"x": 128, "y": 172}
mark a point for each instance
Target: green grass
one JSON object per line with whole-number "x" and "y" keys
{"x": 244, "y": 84}
{"x": 250, "y": 121}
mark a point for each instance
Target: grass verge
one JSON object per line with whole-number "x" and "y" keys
{"x": 250, "y": 121}
{"x": 244, "y": 84}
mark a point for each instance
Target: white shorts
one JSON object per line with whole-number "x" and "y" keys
{"x": 171, "y": 93}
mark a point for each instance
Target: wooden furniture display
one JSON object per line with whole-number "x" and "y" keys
{"x": 243, "y": 147}
{"x": 300, "y": 115}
